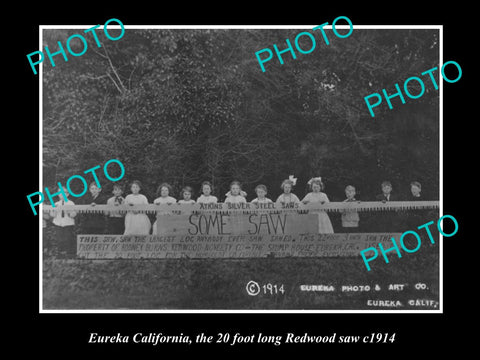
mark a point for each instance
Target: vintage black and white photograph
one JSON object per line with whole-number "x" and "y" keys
{"x": 241, "y": 168}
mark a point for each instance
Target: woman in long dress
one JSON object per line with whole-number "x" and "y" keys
{"x": 136, "y": 223}
{"x": 236, "y": 195}
{"x": 207, "y": 197}
{"x": 288, "y": 197}
{"x": 317, "y": 196}
{"x": 163, "y": 193}
{"x": 261, "y": 191}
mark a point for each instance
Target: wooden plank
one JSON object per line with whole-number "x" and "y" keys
{"x": 227, "y": 246}
{"x": 249, "y": 224}
{"x": 179, "y": 209}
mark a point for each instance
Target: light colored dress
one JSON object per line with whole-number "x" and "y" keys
{"x": 61, "y": 218}
{"x": 115, "y": 200}
{"x": 324, "y": 223}
{"x": 350, "y": 218}
{"x": 162, "y": 201}
{"x": 235, "y": 199}
{"x": 188, "y": 202}
{"x": 264, "y": 200}
{"x": 207, "y": 199}
{"x": 287, "y": 198}
{"x": 136, "y": 224}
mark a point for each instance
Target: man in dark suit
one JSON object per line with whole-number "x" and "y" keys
{"x": 386, "y": 194}
{"x": 419, "y": 217}
{"x": 415, "y": 217}
{"x": 388, "y": 221}
{"x": 93, "y": 223}
{"x": 415, "y": 191}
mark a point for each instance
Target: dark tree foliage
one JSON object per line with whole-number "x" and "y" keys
{"x": 184, "y": 106}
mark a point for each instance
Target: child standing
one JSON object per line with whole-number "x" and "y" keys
{"x": 64, "y": 226}
{"x": 235, "y": 195}
{"x": 163, "y": 193}
{"x": 45, "y": 217}
{"x": 93, "y": 223}
{"x": 350, "y": 218}
{"x": 415, "y": 218}
{"x": 261, "y": 191}
{"x": 207, "y": 196}
{"x": 387, "y": 221}
{"x": 415, "y": 190}
{"x": 186, "y": 193}
{"x": 386, "y": 194}
{"x": 115, "y": 220}
{"x": 136, "y": 223}
{"x": 317, "y": 196}
{"x": 287, "y": 197}
{"x": 164, "y": 190}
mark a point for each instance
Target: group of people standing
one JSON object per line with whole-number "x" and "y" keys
{"x": 138, "y": 223}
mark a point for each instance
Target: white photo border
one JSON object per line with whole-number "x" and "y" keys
{"x": 182, "y": 311}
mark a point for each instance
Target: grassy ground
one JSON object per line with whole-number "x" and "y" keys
{"x": 221, "y": 284}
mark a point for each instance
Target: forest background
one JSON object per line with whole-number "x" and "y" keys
{"x": 187, "y": 105}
